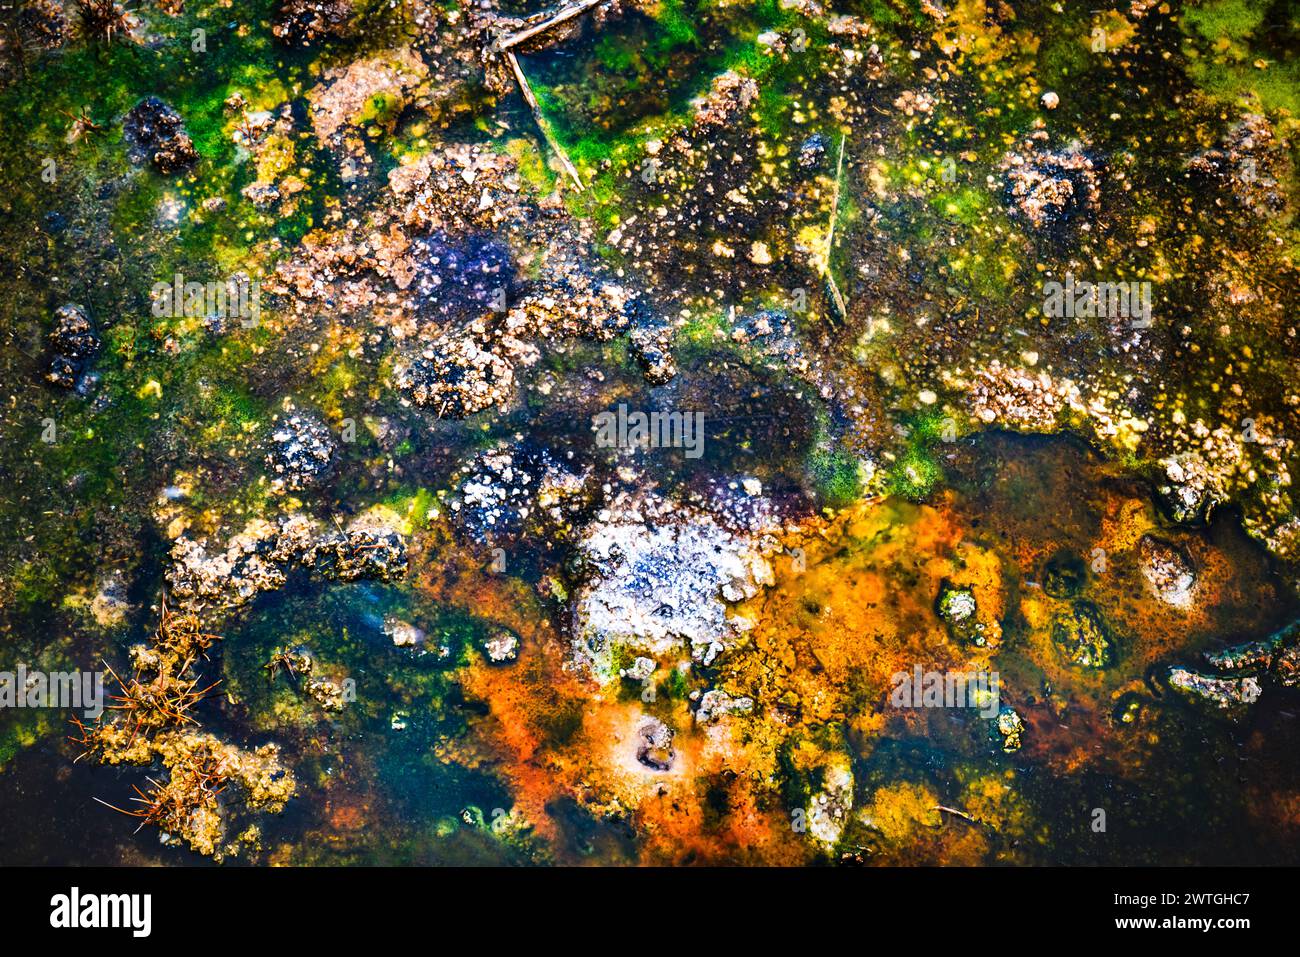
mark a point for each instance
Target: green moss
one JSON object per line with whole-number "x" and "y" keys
{"x": 678, "y": 26}
{"x": 531, "y": 165}
{"x": 1231, "y": 19}
{"x": 1277, "y": 88}
{"x": 836, "y": 476}
{"x": 914, "y": 475}
{"x": 22, "y": 729}
{"x": 420, "y": 505}
{"x": 676, "y": 686}
{"x": 1227, "y": 37}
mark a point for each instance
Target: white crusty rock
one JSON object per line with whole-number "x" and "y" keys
{"x": 658, "y": 583}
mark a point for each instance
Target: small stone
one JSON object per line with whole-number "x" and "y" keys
{"x": 655, "y": 745}
{"x": 717, "y": 704}
{"x": 74, "y": 343}
{"x": 1168, "y": 570}
{"x": 301, "y": 452}
{"x": 812, "y": 151}
{"x": 403, "y": 633}
{"x": 640, "y": 670}
{"x": 1050, "y": 100}
{"x": 156, "y": 135}
{"x": 956, "y": 608}
{"x": 1011, "y": 727}
{"x": 502, "y": 648}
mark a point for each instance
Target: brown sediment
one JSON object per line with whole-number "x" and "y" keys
{"x": 862, "y": 611}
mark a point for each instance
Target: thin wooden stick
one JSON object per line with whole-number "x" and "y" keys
{"x": 835, "y": 199}
{"x": 544, "y": 126}
{"x": 836, "y": 296}
{"x": 568, "y": 13}
{"x": 963, "y": 815}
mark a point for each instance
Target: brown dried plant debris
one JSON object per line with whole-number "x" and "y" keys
{"x": 152, "y": 722}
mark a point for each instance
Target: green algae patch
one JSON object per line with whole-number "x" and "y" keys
{"x": 1230, "y": 55}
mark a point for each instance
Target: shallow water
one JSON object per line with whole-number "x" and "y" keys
{"x": 442, "y": 757}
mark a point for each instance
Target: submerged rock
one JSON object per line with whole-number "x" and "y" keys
{"x": 654, "y": 746}
{"x": 371, "y": 91}
{"x": 652, "y": 348}
{"x": 74, "y": 344}
{"x": 301, "y": 453}
{"x": 1229, "y": 695}
{"x": 658, "y": 584}
{"x": 512, "y": 490}
{"x": 718, "y": 704}
{"x": 1083, "y": 637}
{"x": 1168, "y": 570}
{"x": 260, "y": 558}
{"x": 1011, "y": 728}
{"x": 329, "y": 694}
{"x": 640, "y": 669}
{"x": 1278, "y": 655}
{"x": 455, "y": 376}
{"x": 1049, "y": 189}
{"x": 955, "y": 607}
{"x": 156, "y": 135}
{"x": 828, "y": 812}
{"x": 402, "y": 633}
{"x": 502, "y": 647}
{"x": 304, "y": 22}
{"x": 728, "y": 96}
{"x": 110, "y": 605}
{"x": 812, "y": 152}
{"x": 1065, "y": 575}
{"x": 1189, "y": 491}
{"x": 1249, "y": 161}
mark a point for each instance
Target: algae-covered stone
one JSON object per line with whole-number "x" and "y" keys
{"x": 1065, "y": 575}
{"x": 956, "y": 607}
{"x": 828, "y": 811}
{"x": 300, "y": 453}
{"x": 718, "y": 704}
{"x": 1231, "y": 696}
{"x": 156, "y": 135}
{"x": 1048, "y": 189}
{"x": 1011, "y": 727}
{"x": 74, "y": 344}
{"x": 1168, "y": 570}
{"x": 307, "y": 22}
{"x": 1083, "y": 637}
{"x": 658, "y": 582}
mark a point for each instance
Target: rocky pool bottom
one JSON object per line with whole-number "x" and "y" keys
{"x": 1146, "y": 707}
